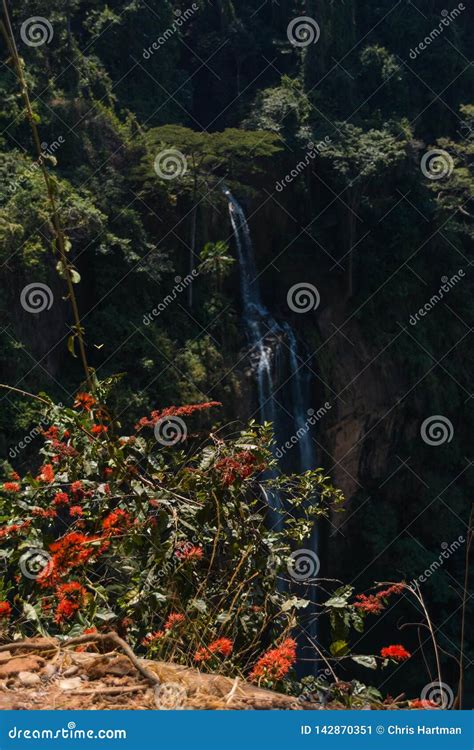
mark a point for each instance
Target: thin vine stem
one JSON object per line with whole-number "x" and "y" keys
{"x": 7, "y": 31}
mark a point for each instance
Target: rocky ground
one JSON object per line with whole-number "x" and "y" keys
{"x": 43, "y": 673}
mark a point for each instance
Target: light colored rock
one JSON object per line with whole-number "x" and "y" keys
{"x": 28, "y": 679}
{"x": 70, "y": 671}
{"x": 72, "y": 683}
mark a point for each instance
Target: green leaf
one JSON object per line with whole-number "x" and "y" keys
{"x": 339, "y": 648}
{"x": 365, "y": 661}
{"x": 70, "y": 345}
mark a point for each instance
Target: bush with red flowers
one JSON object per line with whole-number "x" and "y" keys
{"x": 173, "y": 548}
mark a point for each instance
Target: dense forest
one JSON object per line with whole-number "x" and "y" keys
{"x": 232, "y": 213}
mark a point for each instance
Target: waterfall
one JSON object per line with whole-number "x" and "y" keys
{"x": 282, "y": 382}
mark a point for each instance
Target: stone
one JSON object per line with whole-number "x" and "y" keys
{"x": 28, "y": 679}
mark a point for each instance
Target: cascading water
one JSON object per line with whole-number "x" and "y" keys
{"x": 282, "y": 382}
{"x": 274, "y": 349}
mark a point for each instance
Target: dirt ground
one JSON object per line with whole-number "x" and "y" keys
{"x": 44, "y": 674}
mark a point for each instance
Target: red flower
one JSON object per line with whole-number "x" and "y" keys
{"x": 6, "y": 531}
{"x": 15, "y": 476}
{"x": 44, "y": 513}
{"x": 11, "y": 486}
{"x": 397, "y": 652}
{"x": 174, "y": 619}
{"x": 370, "y": 604}
{"x": 99, "y": 429}
{"x": 71, "y": 551}
{"x": 84, "y": 401}
{"x": 174, "y": 411}
{"x": 276, "y": 663}
{"x": 116, "y": 522}
{"x": 46, "y": 474}
{"x": 108, "y": 472}
{"x": 152, "y": 637}
{"x": 71, "y": 596}
{"x": 189, "y": 553}
{"x": 51, "y": 433}
{"x": 222, "y": 647}
{"x": 397, "y": 588}
{"x": 239, "y": 466}
{"x": 5, "y": 610}
{"x": 422, "y": 704}
{"x": 76, "y": 510}
{"x": 61, "y": 498}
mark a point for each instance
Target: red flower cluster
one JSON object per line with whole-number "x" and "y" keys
{"x": 397, "y": 652}
{"x": 61, "y": 498}
{"x": 276, "y": 663}
{"x": 84, "y": 401}
{"x": 71, "y": 551}
{"x": 417, "y": 703}
{"x": 174, "y": 619}
{"x": 189, "y": 554}
{"x": 46, "y": 474}
{"x": 174, "y": 411}
{"x": 373, "y": 603}
{"x": 221, "y": 647}
{"x": 150, "y": 639}
{"x": 239, "y": 466}
{"x": 116, "y": 522}
{"x": 71, "y": 596}
{"x": 99, "y": 429}
{"x": 5, "y": 610}
{"x": 13, "y": 529}
{"x": 11, "y": 487}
